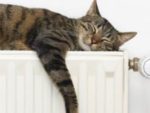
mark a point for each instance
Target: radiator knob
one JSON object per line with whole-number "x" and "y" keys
{"x": 134, "y": 64}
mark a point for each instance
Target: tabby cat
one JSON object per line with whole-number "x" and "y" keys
{"x": 51, "y": 35}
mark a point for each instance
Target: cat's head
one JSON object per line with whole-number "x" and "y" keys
{"x": 97, "y": 34}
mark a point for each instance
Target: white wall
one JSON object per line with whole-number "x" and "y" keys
{"x": 125, "y": 15}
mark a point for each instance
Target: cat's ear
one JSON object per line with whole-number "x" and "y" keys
{"x": 93, "y": 11}
{"x": 124, "y": 37}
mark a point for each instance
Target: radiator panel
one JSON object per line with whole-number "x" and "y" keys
{"x": 100, "y": 80}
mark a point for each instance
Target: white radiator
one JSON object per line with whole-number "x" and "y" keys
{"x": 100, "y": 78}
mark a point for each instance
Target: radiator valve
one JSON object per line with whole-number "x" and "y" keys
{"x": 134, "y": 64}
{"x": 142, "y": 65}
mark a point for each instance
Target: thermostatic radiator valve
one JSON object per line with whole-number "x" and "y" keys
{"x": 142, "y": 65}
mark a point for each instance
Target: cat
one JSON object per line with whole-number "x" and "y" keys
{"x": 52, "y": 35}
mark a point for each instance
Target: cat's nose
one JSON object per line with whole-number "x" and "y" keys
{"x": 93, "y": 41}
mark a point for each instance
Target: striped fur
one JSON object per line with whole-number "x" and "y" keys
{"x": 51, "y": 35}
